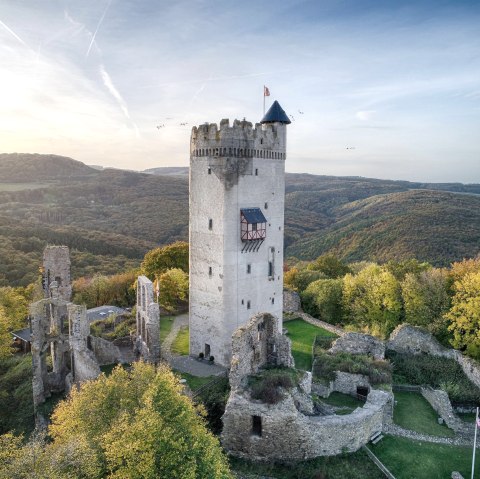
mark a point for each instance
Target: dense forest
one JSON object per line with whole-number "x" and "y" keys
{"x": 110, "y": 218}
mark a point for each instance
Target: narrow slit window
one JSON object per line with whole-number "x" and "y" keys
{"x": 273, "y": 300}
{"x": 270, "y": 268}
{"x": 210, "y": 224}
{"x": 266, "y": 206}
{"x": 248, "y": 304}
{"x": 209, "y": 271}
{"x": 257, "y": 426}
{"x": 256, "y": 171}
{"x": 209, "y": 171}
{"x": 249, "y": 268}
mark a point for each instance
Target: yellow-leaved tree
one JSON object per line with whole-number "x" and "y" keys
{"x": 131, "y": 425}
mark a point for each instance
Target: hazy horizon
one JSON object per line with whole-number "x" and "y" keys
{"x": 388, "y": 90}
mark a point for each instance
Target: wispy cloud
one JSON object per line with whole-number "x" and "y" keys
{"x": 9, "y": 30}
{"x": 365, "y": 115}
{"x": 92, "y": 41}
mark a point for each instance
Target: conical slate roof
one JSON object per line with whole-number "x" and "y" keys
{"x": 275, "y": 114}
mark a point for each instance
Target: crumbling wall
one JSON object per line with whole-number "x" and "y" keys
{"x": 147, "y": 343}
{"x": 85, "y": 365}
{"x": 56, "y": 267}
{"x": 287, "y": 434}
{"x": 291, "y": 301}
{"x": 439, "y": 400}
{"x": 258, "y": 344}
{"x": 346, "y": 383}
{"x": 359, "y": 343}
{"x": 105, "y": 351}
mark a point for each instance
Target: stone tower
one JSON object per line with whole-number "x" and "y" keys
{"x": 237, "y": 197}
{"x": 56, "y": 267}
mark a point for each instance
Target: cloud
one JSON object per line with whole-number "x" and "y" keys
{"x": 365, "y": 115}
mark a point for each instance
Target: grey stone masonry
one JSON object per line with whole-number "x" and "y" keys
{"x": 147, "y": 342}
{"x": 56, "y": 267}
{"x": 291, "y": 301}
{"x": 358, "y": 343}
{"x": 258, "y": 344}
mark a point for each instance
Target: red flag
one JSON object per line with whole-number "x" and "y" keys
{"x": 266, "y": 91}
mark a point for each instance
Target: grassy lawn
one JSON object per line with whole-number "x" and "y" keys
{"x": 351, "y": 466}
{"x": 413, "y": 412}
{"x": 302, "y": 335}
{"x": 166, "y": 323}
{"x": 407, "y": 459}
{"x": 180, "y": 344}
{"x": 343, "y": 400}
{"x": 194, "y": 382}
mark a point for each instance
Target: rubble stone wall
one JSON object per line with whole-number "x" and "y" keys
{"x": 287, "y": 434}
{"x": 56, "y": 267}
{"x": 291, "y": 301}
{"x": 358, "y": 343}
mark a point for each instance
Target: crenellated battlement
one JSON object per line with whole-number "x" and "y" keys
{"x": 239, "y": 140}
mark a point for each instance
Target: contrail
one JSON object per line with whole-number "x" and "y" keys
{"x": 9, "y": 30}
{"x": 98, "y": 26}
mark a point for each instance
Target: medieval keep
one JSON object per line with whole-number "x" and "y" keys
{"x": 237, "y": 197}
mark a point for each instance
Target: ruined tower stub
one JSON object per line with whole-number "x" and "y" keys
{"x": 237, "y": 196}
{"x": 56, "y": 267}
{"x": 148, "y": 321}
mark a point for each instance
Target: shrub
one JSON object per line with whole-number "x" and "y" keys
{"x": 266, "y": 385}
{"x": 435, "y": 371}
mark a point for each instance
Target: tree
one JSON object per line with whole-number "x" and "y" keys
{"x": 401, "y": 268}
{"x": 140, "y": 425}
{"x": 372, "y": 300}
{"x": 173, "y": 288}
{"x": 323, "y": 299}
{"x": 159, "y": 260}
{"x": 426, "y": 299}
{"x": 330, "y": 266}
{"x": 129, "y": 425}
{"x": 299, "y": 279}
{"x": 460, "y": 268}
{"x": 464, "y": 314}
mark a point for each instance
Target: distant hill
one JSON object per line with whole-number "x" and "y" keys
{"x": 110, "y": 218}
{"x": 168, "y": 171}
{"x": 26, "y": 167}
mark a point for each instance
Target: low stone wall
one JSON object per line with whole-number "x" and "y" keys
{"x": 359, "y": 343}
{"x": 287, "y": 434}
{"x": 439, "y": 400}
{"x": 345, "y": 383}
{"x": 470, "y": 367}
{"x": 317, "y": 322}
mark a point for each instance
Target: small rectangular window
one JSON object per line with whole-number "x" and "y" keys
{"x": 249, "y": 268}
{"x": 257, "y": 426}
{"x": 248, "y": 304}
{"x": 273, "y": 300}
{"x": 210, "y": 271}
{"x": 270, "y": 268}
{"x": 266, "y": 206}
{"x": 254, "y": 226}
{"x": 256, "y": 171}
{"x": 210, "y": 224}
{"x": 209, "y": 171}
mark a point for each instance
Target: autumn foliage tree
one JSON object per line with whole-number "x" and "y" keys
{"x": 129, "y": 425}
{"x": 159, "y": 260}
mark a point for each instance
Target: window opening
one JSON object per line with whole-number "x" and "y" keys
{"x": 210, "y": 224}
{"x": 249, "y": 268}
{"x": 209, "y": 171}
{"x": 248, "y": 304}
{"x": 210, "y": 271}
{"x": 257, "y": 426}
{"x": 256, "y": 171}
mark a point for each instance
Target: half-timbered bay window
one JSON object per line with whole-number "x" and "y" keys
{"x": 253, "y": 230}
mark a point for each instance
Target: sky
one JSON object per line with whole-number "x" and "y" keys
{"x": 383, "y": 89}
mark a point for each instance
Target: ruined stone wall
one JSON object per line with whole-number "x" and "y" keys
{"x": 258, "y": 344}
{"x": 413, "y": 340}
{"x": 359, "y": 343}
{"x": 345, "y": 383}
{"x": 56, "y": 267}
{"x": 105, "y": 352}
{"x": 439, "y": 400}
{"x": 287, "y": 434}
{"x": 291, "y": 301}
{"x": 147, "y": 342}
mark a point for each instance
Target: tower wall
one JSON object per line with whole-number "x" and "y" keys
{"x": 233, "y": 168}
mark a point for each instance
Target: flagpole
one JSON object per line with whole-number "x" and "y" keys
{"x": 263, "y": 100}
{"x": 475, "y": 443}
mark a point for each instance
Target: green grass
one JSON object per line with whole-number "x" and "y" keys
{"x": 302, "y": 335}
{"x": 343, "y": 400}
{"x": 412, "y": 411}
{"x": 166, "y": 323}
{"x": 194, "y": 382}
{"x": 181, "y": 343}
{"x": 407, "y": 459}
{"x": 351, "y": 466}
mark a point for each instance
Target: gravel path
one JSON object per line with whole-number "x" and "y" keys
{"x": 186, "y": 364}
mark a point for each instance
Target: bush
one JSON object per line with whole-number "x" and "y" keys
{"x": 435, "y": 371}
{"x": 326, "y": 364}
{"x": 266, "y": 385}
